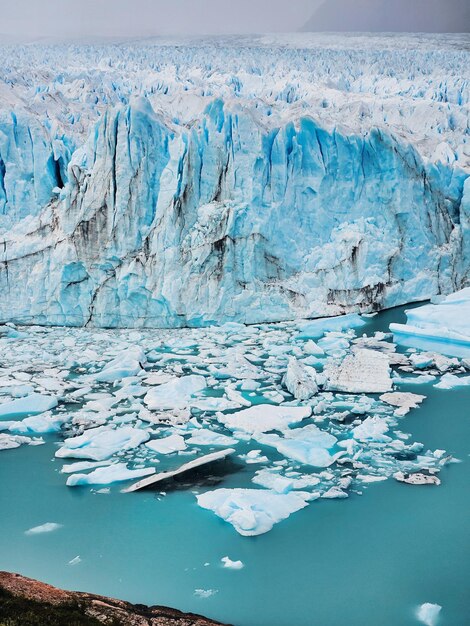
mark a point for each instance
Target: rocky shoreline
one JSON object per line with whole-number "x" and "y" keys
{"x": 25, "y": 602}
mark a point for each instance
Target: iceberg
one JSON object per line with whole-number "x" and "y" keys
{"x": 252, "y": 511}
{"x": 107, "y": 475}
{"x": 48, "y": 527}
{"x": 263, "y": 418}
{"x": 167, "y": 445}
{"x": 363, "y": 371}
{"x": 443, "y": 327}
{"x": 229, "y": 564}
{"x": 428, "y": 613}
{"x": 102, "y": 442}
{"x": 308, "y": 445}
{"x": 33, "y": 404}
{"x": 300, "y": 380}
{"x": 127, "y": 363}
{"x": 175, "y": 394}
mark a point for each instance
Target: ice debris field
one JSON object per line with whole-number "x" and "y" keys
{"x": 312, "y": 408}
{"x": 171, "y": 183}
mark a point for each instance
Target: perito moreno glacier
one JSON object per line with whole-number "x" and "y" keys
{"x": 186, "y": 183}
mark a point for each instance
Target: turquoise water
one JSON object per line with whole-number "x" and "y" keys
{"x": 367, "y": 560}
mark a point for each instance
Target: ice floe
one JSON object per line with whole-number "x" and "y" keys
{"x": 442, "y": 327}
{"x": 264, "y": 417}
{"x": 428, "y": 613}
{"x": 229, "y": 564}
{"x": 300, "y": 380}
{"x": 102, "y": 442}
{"x": 175, "y": 394}
{"x": 48, "y": 527}
{"x": 364, "y": 371}
{"x": 107, "y": 475}
{"x": 167, "y": 445}
{"x": 252, "y": 511}
{"x": 29, "y": 405}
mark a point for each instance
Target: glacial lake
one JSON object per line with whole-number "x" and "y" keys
{"x": 369, "y": 559}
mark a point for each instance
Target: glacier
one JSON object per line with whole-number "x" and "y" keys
{"x": 175, "y": 183}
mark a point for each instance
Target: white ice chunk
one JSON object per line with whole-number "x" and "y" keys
{"x": 102, "y": 442}
{"x": 30, "y": 405}
{"x": 107, "y": 475}
{"x": 317, "y": 328}
{"x": 450, "y": 381}
{"x": 167, "y": 445}
{"x": 126, "y": 363}
{"x": 364, "y": 371}
{"x": 300, "y": 380}
{"x": 252, "y": 511}
{"x": 229, "y": 564}
{"x": 48, "y": 527}
{"x": 428, "y": 613}
{"x": 206, "y": 437}
{"x": 264, "y": 417}
{"x": 372, "y": 429}
{"x": 175, "y": 394}
{"x": 308, "y": 445}
{"x": 442, "y": 327}
{"x": 404, "y": 401}
{"x": 9, "y": 442}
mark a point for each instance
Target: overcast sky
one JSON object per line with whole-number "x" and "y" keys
{"x": 121, "y": 18}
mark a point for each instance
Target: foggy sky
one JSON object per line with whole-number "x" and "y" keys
{"x": 132, "y": 18}
{"x": 75, "y": 19}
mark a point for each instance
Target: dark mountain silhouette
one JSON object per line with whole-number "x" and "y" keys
{"x": 432, "y": 16}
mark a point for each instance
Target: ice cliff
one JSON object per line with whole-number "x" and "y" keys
{"x": 173, "y": 184}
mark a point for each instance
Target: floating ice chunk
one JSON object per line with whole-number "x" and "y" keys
{"x": 252, "y": 511}
{"x": 334, "y": 492}
{"x": 282, "y": 484}
{"x": 428, "y": 613}
{"x": 81, "y": 466}
{"x": 212, "y": 404}
{"x": 175, "y": 394}
{"x": 48, "y": 527}
{"x": 206, "y": 437}
{"x": 75, "y": 561}
{"x": 313, "y": 349}
{"x": 372, "y": 429}
{"x": 308, "y": 445}
{"x": 450, "y": 381}
{"x": 102, "y": 442}
{"x": 317, "y": 328}
{"x": 127, "y": 363}
{"x": 167, "y": 445}
{"x": 404, "y": 401}
{"x": 229, "y": 564}
{"x": 205, "y": 593}
{"x": 254, "y": 456}
{"x": 417, "y": 478}
{"x": 422, "y": 379}
{"x": 264, "y": 417}
{"x": 30, "y": 405}
{"x": 43, "y": 423}
{"x": 299, "y": 380}
{"x": 107, "y": 475}
{"x": 9, "y": 442}
{"x": 364, "y": 371}
{"x": 421, "y": 360}
{"x": 442, "y": 327}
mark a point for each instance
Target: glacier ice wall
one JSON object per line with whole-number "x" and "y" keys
{"x": 182, "y": 194}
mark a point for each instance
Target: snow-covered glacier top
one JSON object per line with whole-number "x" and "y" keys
{"x": 174, "y": 182}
